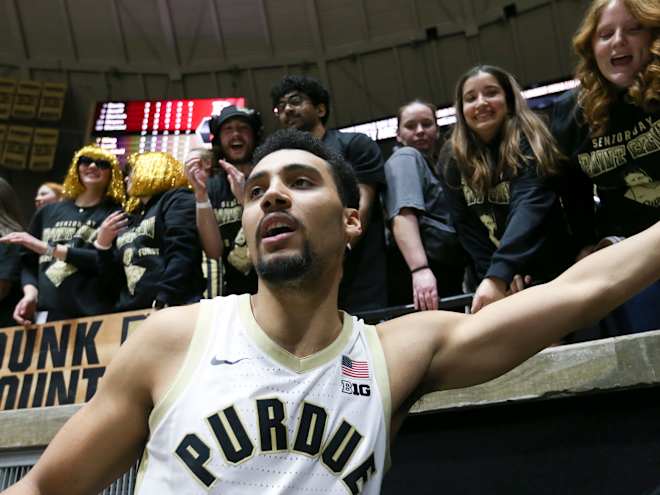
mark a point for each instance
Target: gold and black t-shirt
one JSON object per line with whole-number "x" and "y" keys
{"x": 71, "y": 288}
{"x": 623, "y": 163}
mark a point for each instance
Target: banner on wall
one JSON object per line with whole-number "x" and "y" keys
{"x": 61, "y": 362}
{"x": 51, "y": 103}
{"x": 17, "y": 147}
{"x": 44, "y": 146}
{"x": 26, "y": 100}
{"x": 7, "y": 91}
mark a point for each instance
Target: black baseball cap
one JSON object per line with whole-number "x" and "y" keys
{"x": 251, "y": 116}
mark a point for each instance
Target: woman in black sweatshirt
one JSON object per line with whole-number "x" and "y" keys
{"x": 495, "y": 166}
{"x": 60, "y": 272}
{"x": 156, "y": 240}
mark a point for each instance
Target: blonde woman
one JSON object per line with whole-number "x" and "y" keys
{"x": 156, "y": 240}
{"x": 495, "y": 166}
{"x": 59, "y": 264}
{"x": 609, "y": 128}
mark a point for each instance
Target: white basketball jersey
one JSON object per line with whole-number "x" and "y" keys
{"x": 245, "y": 416}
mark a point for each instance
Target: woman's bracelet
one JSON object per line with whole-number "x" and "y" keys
{"x": 202, "y": 205}
{"x": 419, "y": 269}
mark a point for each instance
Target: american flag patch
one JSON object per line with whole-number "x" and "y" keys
{"x": 354, "y": 369}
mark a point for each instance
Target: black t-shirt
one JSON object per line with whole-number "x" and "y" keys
{"x": 160, "y": 254}
{"x": 10, "y": 271}
{"x": 624, "y": 164}
{"x": 517, "y": 228}
{"x": 239, "y": 275}
{"x": 71, "y": 288}
{"x": 363, "y": 285}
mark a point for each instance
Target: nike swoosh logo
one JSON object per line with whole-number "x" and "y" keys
{"x": 216, "y": 362}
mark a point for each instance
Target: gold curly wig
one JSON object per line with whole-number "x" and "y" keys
{"x": 597, "y": 93}
{"x": 152, "y": 173}
{"x": 72, "y": 187}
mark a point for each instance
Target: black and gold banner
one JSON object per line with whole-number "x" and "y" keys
{"x": 52, "y": 101}
{"x": 7, "y": 92}
{"x": 44, "y": 145}
{"x": 60, "y": 362}
{"x": 26, "y": 100}
{"x": 17, "y": 147}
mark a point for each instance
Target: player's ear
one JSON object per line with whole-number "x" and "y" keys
{"x": 352, "y": 224}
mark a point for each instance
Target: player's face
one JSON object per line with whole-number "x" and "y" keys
{"x": 296, "y": 110}
{"x": 621, "y": 45}
{"x": 417, "y": 128}
{"x": 293, "y": 217}
{"x": 484, "y": 105}
{"x": 237, "y": 141}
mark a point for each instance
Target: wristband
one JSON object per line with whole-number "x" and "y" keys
{"x": 419, "y": 269}
{"x": 50, "y": 250}
{"x": 202, "y": 205}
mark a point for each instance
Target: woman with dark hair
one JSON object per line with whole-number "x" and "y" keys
{"x": 418, "y": 213}
{"x": 609, "y": 129}
{"x": 495, "y": 165}
{"x": 156, "y": 242}
{"x": 10, "y": 259}
{"x": 59, "y": 263}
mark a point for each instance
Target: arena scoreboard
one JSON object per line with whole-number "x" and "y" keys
{"x": 172, "y": 126}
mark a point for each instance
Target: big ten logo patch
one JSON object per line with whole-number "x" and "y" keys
{"x": 361, "y": 389}
{"x": 60, "y": 362}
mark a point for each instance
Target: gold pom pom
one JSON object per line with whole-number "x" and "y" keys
{"x": 152, "y": 173}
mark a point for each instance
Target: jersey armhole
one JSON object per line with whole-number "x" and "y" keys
{"x": 196, "y": 349}
{"x": 383, "y": 381}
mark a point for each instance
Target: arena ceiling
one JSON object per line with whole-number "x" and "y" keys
{"x": 372, "y": 54}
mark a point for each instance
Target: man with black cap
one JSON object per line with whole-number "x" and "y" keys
{"x": 235, "y": 135}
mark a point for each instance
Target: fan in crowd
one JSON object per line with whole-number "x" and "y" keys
{"x": 418, "y": 214}
{"x": 218, "y": 193}
{"x": 48, "y": 192}
{"x": 609, "y": 128}
{"x": 495, "y": 165}
{"x": 156, "y": 241}
{"x": 301, "y": 102}
{"x": 60, "y": 273}
{"x": 10, "y": 259}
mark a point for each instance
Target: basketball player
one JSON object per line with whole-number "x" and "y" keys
{"x": 282, "y": 393}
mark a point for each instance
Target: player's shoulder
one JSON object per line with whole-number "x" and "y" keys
{"x": 418, "y": 327}
{"x": 169, "y": 329}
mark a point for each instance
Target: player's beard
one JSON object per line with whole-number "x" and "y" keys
{"x": 287, "y": 271}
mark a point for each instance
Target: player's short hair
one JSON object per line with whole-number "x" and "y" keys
{"x": 342, "y": 172}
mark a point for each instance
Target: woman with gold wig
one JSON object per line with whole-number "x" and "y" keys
{"x": 59, "y": 263}
{"x": 156, "y": 238}
{"x": 609, "y": 127}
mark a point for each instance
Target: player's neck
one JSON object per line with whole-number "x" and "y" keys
{"x": 303, "y": 320}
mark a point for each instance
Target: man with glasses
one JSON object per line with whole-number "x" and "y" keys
{"x": 302, "y": 103}
{"x": 60, "y": 276}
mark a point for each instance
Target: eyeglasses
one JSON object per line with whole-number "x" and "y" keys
{"x": 101, "y": 164}
{"x": 294, "y": 101}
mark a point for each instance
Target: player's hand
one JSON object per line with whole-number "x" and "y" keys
{"x": 26, "y": 307}
{"x": 519, "y": 283}
{"x": 26, "y": 240}
{"x": 110, "y": 229}
{"x": 197, "y": 175}
{"x": 489, "y": 291}
{"x": 236, "y": 180}
{"x": 425, "y": 290}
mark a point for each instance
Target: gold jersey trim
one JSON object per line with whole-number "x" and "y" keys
{"x": 284, "y": 357}
{"x": 383, "y": 381}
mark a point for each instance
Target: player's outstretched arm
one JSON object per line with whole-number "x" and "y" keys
{"x": 102, "y": 440}
{"x": 437, "y": 350}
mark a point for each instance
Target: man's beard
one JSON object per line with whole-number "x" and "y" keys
{"x": 288, "y": 270}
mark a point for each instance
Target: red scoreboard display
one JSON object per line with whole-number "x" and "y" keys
{"x": 172, "y": 126}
